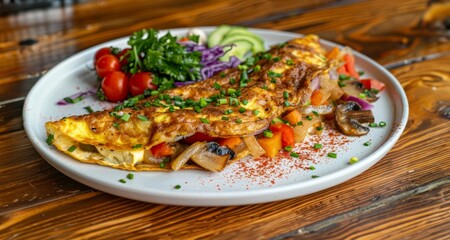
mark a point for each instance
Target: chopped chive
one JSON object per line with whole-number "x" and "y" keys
{"x": 362, "y": 95}
{"x": 315, "y": 113}
{"x": 177, "y": 186}
{"x": 289, "y": 62}
{"x": 203, "y": 102}
{"x": 217, "y": 86}
{"x": 256, "y": 111}
{"x": 277, "y": 120}
{"x": 273, "y": 74}
{"x": 367, "y": 144}
{"x": 288, "y": 148}
{"x": 312, "y": 168}
{"x": 238, "y": 120}
{"x": 343, "y": 77}
{"x": 317, "y": 146}
{"x": 197, "y": 109}
{"x": 373, "y": 125}
{"x": 314, "y": 176}
{"x": 147, "y": 104}
{"x": 353, "y": 160}
{"x": 122, "y": 180}
{"x": 234, "y": 101}
{"x": 89, "y": 109}
{"x": 130, "y": 176}
{"x": 341, "y": 84}
{"x": 309, "y": 117}
{"x": 332, "y": 155}
{"x": 294, "y": 154}
{"x": 72, "y": 148}
{"x": 300, "y": 123}
{"x": 204, "y": 120}
{"x": 221, "y": 101}
{"x": 242, "y": 110}
{"x": 222, "y": 74}
{"x": 268, "y": 133}
{"x": 136, "y": 146}
{"x": 285, "y": 95}
{"x": 125, "y": 117}
{"x": 319, "y": 128}
{"x": 276, "y": 59}
{"x": 287, "y": 104}
{"x": 74, "y": 100}
{"x": 162, "y": 165}
{"x": 50, "y": 139}
{"x": 267, "y": 56}
{"x": 382, "y": 124}
{"x": 257, "y": 68}
{"x": 154, "y": 92}
{"x": 142, "y": 118}
{"x": 231, "y": 90}
{"x": 171, "y": 108}
{"x": 273, "y": 80}
{"x": 245, "y": 101}
{"x": 265, "y": 88}
{"x": 360, "y": 73}
{"x": 116, "y": 125}
{"x": 225, "y": 118}
{"x": 228, "y": 111}
{"x": 232, "y": 80}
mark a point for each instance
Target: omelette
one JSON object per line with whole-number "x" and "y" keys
{"x": 238, "y": 102}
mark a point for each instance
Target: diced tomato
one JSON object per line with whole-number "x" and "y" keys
{"x": 370, "y": 83}
{"x": 184, "y": 39}
{"x": 350, "y": 65}
{"x": 162, "y": 150}
{"x": 316, "y": 98}
{"x": 231, "y": 142}
{"x": 287, "y": 134}
{"x": 272, "y": 145}
{"x": 293, "y": 117}
{"x": 198, "y": 137}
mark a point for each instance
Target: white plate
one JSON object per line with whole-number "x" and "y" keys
{"x": 245, "y": 182}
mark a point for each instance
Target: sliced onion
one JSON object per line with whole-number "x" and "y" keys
{"x": 253, "y": 146}
{"x": 182, "y": 159}
{"x": 301, "y": 131}
{"x": 321, "y": 110}
{"x": 364, "y": 105}
{"x": 209, "y": 160}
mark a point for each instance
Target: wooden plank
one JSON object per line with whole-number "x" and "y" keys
{"x": 388, "y": 31}
{"x": 419, "y": 216}
{"x": 11, "y": 116}
{"x": 418, "y": 159}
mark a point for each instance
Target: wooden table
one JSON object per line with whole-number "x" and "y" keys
{"x": 405, "y": 196}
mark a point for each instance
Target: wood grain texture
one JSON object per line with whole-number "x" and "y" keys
{"x": 419, "y": 158}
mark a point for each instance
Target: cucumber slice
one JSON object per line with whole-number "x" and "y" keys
{"x": 239, "y": 50}
{"x": 258, "y": 44}
{"x": 216, "y": 36}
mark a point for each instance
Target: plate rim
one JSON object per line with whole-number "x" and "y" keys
{"x": 226, "y": 198}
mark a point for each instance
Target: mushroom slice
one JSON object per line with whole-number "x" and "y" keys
{"x": 349, "y": 118}
{"x": 213, "y": 157}
{"x": 321, "y": 110}
{"x": 184, "y": 157}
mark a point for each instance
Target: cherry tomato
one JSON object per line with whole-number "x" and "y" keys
{"x": 287, "y": 134}
{"x": 122, "y": 57}
{"x": 162, "y": 150}
{"x": 100, "y": 53}
{"x": 106, "y": 64}
{"x": 115, "y": 86}
{"x": 140, "y": 82}
{"x": 370, "y": 83}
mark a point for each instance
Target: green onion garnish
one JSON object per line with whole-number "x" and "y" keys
{"x": 273, "y": 74}
{"x": 50, "y": 139}
{"x": 268, "y": 133}
{"x": 238, "y": 120}
{"x": 225, "y": 118}
{"x": 116, "y": 125}
{"x": 289, "y": 62}
{"x": 72, "y": 148}
{"x": 228, "y": 111}
{"x": 177, "y": 186}
{"x": 300, "y": 123}
{"x": 319, "y": 128}
{"x": 314, "y": 176}
{"x": 204, "y": 120}
{"x": 217, "y": 86}
{"x": 341, "y": 84}
{"x": 242, "y": 110}
{"x": 142, "y": 118}
{"x": 245, "y": 101}
{"x": 162, "y": 165}
{"x": 382, "y": 124}
{"x": 136, "y": 146}
{"x": 312, "y": 168}
{"x": 367, "y": 144}
{"x": 287, "y": 104}
{"x": 288, "y": 148}
{"x": 317, "y": 146}
{"x": 231, "y": 91}
{"x": 343, "y": 77}
{"x": 221, "y": 101}
{"x": 122, "y": 181}
{"x": 130, "y": 176}
{"x": 125, "y": 117}
{"x": 362, "y": 95}
{"x": 232, "y": 80}
{"x": 257, "y": 68}
{"x": 222, "y": 74}
{"x": 256, "y": 111}
{"x": 315, "y": 113}
{"x": 89, "y": 109}
{"x": 332, "y": 155}
{"x": 74, "y": 100}
{"x": 373, "y": 125}
{"x": 360, "y": 73}
{"x": 353, "y": 160}
{"x": 276, "y": 59}
{"x": 203, "y": 102}
{"x": 197, "y": 109}
{"x": 294, "y": 154}
{"x": 285, "y": 95}
{"x": 309, "y": 117}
